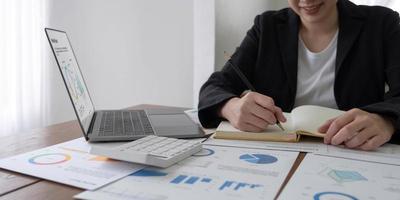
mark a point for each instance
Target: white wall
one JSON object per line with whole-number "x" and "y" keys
{"x": 204, "y": 44}
{"x": 220, "y": 25}
{"x": 233, "y": 19}
{"x": 130, "y": 52}
{"x": 146, "y": 51}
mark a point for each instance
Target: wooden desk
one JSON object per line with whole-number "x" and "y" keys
{"x": 19, "y": 186}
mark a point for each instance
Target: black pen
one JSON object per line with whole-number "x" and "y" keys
{"x": 248, "y": 84}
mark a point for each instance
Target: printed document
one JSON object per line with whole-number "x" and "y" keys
{"x": 214, "y": 173}
{"x": 321, "y": 177}
{"x": 71, "y": 164}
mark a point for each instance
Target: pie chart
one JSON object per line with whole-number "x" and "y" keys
{"x": 49, "y": 159}
{"x": 149, "y": 172}
{"x": 204, "y": 152}
{"x": 333, "y": 195}
{"x": 258, "y": 158}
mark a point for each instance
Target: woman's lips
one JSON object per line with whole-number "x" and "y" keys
{"x": 311, "y": 9}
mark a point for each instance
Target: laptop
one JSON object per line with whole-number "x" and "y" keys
{"x": 114, "y": 125}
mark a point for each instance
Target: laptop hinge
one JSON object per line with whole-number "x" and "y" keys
{"x": 92, "y": 123}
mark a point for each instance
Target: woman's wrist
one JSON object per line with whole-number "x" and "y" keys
{"x": 390, "y": 122}
{"x": 225, "y": 108}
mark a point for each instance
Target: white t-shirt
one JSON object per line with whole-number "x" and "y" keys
{"x": 316, "y": 75}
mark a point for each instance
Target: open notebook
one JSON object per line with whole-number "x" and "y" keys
{"x": 303, "y": 120}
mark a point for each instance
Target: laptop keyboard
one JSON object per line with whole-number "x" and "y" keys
{"x": 121, "y": 123}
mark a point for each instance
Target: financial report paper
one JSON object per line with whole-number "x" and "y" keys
{"x": 214, "y": 173}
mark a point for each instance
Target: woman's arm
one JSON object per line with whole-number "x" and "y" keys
{"x": 225, "y": 84}
{"x": 373, "y": 125}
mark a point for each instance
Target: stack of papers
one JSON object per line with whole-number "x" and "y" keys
{"x": 386, "y": 154}
{"x": 214, "y": 173}
{"x": 320, "y": 177}
{"x": 224, "y": 169}
{"x": 70, "y": 163}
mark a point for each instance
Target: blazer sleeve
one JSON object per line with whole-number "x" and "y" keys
{"x": 390, "y": 107}
{"x": 226, "y": 84}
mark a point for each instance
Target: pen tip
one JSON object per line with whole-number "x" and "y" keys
{"x": 280, "y": 126}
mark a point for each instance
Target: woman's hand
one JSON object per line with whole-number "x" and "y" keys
{"x": 358, "y": 129}
{"x": 252, "y": 112}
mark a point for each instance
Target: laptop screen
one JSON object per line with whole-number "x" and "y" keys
{"x": 72, "y": 77}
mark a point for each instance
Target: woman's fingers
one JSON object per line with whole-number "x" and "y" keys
{"x": 279, "y": 114}
{"x": 359, "y": 138}
{"x": 263, "y": 113}
{"x": 323, "y": 128}
{"x": 348, "y": 131}
{"x": 373, "y": 143}
{"x": 338, "y": 124}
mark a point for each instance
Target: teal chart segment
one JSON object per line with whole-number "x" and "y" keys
{"x": 258, "y": 158}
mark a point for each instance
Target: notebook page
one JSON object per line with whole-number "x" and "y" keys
{"x": 310, "y": 118}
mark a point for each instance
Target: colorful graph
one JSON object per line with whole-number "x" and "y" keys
{"x": 49, "y": 159}
{"x": 341, "y": 176}
{"x": 333, "y": 195}
{"x": 149, "y": 172}
{"x": 76, "y": 88}
{"x": 258, "y": 158}
{"x": 237, "y": 185}
{"x": 184, "y": 179}
{"x": 204, "y": 152}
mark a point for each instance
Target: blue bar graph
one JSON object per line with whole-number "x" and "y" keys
{"x": 227, "y": 184}
{"x": 254, "y": 186}
{"x": 239, "y": 185}
{"x": 206, "y": 180}
{"x": 192, "y": 180}
{"x": 179, "y": 179}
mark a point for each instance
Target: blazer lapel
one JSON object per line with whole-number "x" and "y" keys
{"x": 350, "y": 25}
{"x": 288, "y": 30}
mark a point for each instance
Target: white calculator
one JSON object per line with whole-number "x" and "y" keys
{"x": 151, "y": 150}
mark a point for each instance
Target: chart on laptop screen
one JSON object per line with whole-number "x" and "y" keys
{"x": 71, "y": 73}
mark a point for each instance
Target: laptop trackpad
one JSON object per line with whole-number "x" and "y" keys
{"x": 177, "y": 125}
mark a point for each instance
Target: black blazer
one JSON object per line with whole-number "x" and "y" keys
{"x": 368, "y": 56}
